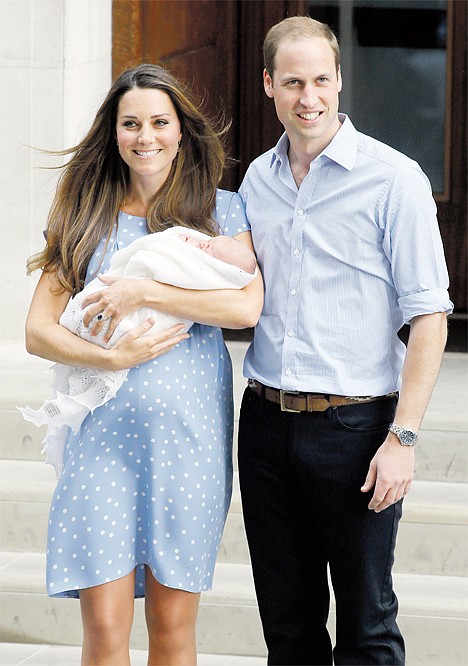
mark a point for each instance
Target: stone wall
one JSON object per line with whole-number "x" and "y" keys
{"x": 55, "y": 68}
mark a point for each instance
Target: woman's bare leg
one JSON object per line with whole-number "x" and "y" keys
{"x": 170, "y": 616}
{"x": 107, "y": 616}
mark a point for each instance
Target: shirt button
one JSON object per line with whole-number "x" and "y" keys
{"x": 288, "y": 371}
{"x": 296, "y": 252}
{"x": 290, "y": 333}
{"x": 300, "y": 212}
{"x": 293, "y": 292}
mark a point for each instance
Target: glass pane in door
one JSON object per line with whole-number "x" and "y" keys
{"x": 394, "y": 73}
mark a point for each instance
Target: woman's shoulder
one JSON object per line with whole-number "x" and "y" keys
{"x": 226, "y": 198}
{"x": 230, "y": 213}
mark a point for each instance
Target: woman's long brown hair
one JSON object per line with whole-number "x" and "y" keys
{"x": 94, "y": 183}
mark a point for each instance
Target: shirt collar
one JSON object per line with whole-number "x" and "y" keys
{"x": 280, "y": 151}
{"x": 342, "y": 148}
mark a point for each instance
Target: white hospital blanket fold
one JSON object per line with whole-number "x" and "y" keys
{"x": 162, "y": 256}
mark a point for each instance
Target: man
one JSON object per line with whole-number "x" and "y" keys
{"x": 346, "y": 236}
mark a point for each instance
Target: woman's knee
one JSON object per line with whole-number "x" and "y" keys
{"x": 172, "y": 620}
{"x": 107, "y": 612}
{"x": 170, "y": 614}
{"x": 106, "y": 627}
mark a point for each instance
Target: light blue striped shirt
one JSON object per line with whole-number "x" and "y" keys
{"x": 347, "y": 258}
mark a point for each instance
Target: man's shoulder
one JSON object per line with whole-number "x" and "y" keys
{"x": 262, "y": 162}
{"x": 257, "y": 174}
{"x": 381, "y": 163}
{"x": 373, "y": 149}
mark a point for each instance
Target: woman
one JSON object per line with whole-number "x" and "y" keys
{"x": 140, "y": 506}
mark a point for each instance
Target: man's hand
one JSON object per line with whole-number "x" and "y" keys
{"x": 391, "y": 472}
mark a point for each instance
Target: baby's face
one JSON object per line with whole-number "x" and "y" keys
{"x": 219, "y": 247}
{"x": 227, "y": 249}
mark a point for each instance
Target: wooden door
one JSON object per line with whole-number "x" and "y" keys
{"x": 195, "y": 40}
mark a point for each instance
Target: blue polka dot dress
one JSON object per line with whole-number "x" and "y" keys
{"x": 147, "y": 480}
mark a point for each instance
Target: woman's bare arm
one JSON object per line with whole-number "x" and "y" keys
{"x": 45, "y": 337}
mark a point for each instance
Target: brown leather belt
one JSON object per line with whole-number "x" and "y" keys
{"x": 298, "y": 401}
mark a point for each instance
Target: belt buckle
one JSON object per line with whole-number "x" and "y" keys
{"x": 283, "y": 406}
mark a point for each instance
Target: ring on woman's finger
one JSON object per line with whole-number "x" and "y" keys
{"x": 101, "y": 317}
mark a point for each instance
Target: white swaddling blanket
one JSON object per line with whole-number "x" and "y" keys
{"x": 162, "y": 256}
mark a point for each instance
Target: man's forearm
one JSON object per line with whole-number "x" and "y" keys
{"x": 426, "y": 344}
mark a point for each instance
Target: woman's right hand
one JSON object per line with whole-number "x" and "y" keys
{"x": 135, "y": 348}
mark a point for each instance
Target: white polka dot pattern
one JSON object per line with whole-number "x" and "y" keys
{"x": 147, "y": 480}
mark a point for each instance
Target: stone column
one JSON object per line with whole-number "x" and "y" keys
{"x": 55, "y": 68}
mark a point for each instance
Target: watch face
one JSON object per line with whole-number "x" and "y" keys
{"x": 407, "y": 437}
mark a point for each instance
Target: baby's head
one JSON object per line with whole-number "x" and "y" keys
{"x": 227, "y": 249}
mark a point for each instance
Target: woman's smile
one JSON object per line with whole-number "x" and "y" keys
{"x": 147, "y": 153}
{"x": 147, "y": 117}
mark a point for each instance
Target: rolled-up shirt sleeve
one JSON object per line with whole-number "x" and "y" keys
{"x": 413, "y": 244}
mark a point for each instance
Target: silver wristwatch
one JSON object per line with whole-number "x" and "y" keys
{"x": 406, "y": 436}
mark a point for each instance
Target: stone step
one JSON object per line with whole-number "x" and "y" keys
{"x": 433, "y": 536}
{"x": 33, "y": 654}
{"x": 442, "y": 456}
{"x": 433, "y": 613}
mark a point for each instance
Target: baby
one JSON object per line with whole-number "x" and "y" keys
{"x": 225, "y": 248}
{"x": 172, "y": 256}
{"x": 158, "y": 257}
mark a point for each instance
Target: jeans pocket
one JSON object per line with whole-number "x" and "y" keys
{"x": 366, "y": 417}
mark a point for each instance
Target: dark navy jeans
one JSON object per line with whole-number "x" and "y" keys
{"x": 300, "y": 477}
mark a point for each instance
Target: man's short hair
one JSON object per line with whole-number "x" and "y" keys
{"x": 295, "y": 28}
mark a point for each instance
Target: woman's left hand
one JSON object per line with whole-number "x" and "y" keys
{"x": 118, "y": 298}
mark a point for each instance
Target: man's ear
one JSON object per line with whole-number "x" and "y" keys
{"x": 268, "y": 84}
